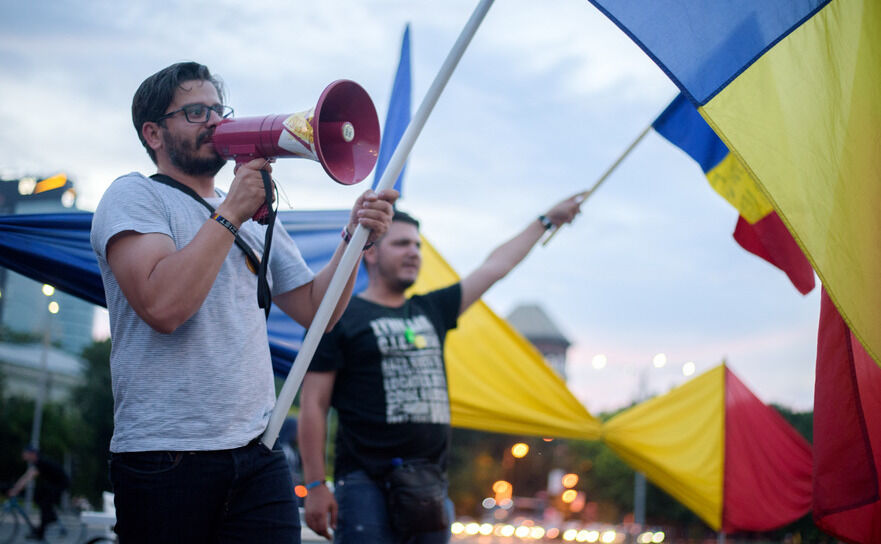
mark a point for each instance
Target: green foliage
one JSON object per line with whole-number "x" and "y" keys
{"x": 76, "y": 433}
{"x": 94, "y": 399}
{"x": 18, "y": 337}
{"x": 60, "y": 425}
{"x": 803, "y": 422}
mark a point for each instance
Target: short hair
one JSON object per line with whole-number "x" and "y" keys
{"x": 157, "y": 91}
{"x": 405, "y": 217}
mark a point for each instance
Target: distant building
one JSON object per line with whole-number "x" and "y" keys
{"x": 23, "y": 306}
{"x": 21, "y": 366}
{"x": 533, "y": 323}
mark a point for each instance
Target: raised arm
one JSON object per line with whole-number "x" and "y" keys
{"x": 505, "y": 257}
{"x": 311, "y": 437}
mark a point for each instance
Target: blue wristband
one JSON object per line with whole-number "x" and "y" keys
{"x": 313, "y": 485}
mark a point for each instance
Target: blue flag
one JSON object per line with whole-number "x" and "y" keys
{"x": 398, "y": 116}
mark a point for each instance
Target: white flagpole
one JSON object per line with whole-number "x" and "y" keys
{"x": 359, "y": 238}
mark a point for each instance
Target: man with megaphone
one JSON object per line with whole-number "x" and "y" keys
{"x": 192, "y": 378}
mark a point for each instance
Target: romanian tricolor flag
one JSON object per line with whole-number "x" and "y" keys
{"x": 720, "y": 451}
{"x": 759, "y": 228}
{"x": 794, "y": 90}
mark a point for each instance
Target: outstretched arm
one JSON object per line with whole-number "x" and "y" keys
{"x": 508, "y": 255}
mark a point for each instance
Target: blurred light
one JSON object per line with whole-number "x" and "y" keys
{"x": 688, "y": 368}
{"x": 553, "y": 532}
{"x": 569, "y": 534}
{"x": 659, "y": 360}
{"x": 658, "y": 537}
{"x": 592, "y": 536}
{"x": 508, "y": 530}
{"x": 537, "y": 533}
{"x": 501, "y": 486}
{"x": 500, "y": 514}
{"x": 48, "y": 290}
{"x": 578, "y": 504}
{"x": 599, "y": 361}
{"x": 608, "y": 537}
{"x": 570, "y": 480}
{"x": 53, "y": 307}
{"x": 457, "y": 528}
{"x": 489, "y": 503}
{"x": 300, "y": 491}
{"x": 569, "y": 495}
{"x": 548, "y": 439}
{"x": 68, "y": 198}
{"x": 472, "y": 528}
{"x": 583, "y": 536}
{"x": 26, "y": 186}
{"x": 1, "y": 294}
{"x": 486, "y": 529}
{"x": 507, "y": 504}
{"x": 646, "y": 537}
{"x": 519, "y": 450}
{"x": 521, "y": 532}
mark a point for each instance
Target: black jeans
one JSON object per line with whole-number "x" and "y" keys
{"x": 239, "y": 495}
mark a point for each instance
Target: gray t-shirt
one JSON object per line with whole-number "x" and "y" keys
{"x": 209, "y": 384}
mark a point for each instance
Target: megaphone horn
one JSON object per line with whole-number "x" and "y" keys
{"x": 341, "y": 132}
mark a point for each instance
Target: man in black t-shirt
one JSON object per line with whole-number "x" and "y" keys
{"x": 382, "y": 368}
{"x": 52, "y": 482}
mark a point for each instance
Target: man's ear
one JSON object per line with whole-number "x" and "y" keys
{"x": 150, "y": 132}
{"x": 370, "y": 256}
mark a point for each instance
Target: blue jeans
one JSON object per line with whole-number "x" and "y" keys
{"x": 363, "y": 516}
{"x": 239, "y": 495}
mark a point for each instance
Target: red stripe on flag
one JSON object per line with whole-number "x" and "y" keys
{"x": 769, "y": 239}
{"x": 847, "y": 433}
{"x": 767, "y": 464}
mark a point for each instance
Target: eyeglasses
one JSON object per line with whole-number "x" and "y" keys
{"x": 200, "y": 113}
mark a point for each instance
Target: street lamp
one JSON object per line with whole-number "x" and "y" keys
{"x": 688, "y": 368}
{"x": 37, "y": 425}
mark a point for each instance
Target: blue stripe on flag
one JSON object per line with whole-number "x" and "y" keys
{"x": 398, "y": 116}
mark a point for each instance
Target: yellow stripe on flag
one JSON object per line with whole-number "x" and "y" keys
{"x": 678, "y": 441}
{"x": 498, "y": 381}
{"x": 55, "y": 182}
{"x": 805, "y": 119}
{"x": 731, "y": 180}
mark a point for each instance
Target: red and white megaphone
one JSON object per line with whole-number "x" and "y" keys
{"x": 341, "y": 132}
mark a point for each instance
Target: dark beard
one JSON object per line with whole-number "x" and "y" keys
{"x": 183, "y": 156}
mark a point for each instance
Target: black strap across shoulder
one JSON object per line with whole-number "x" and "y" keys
{"x": 264, "y": 296}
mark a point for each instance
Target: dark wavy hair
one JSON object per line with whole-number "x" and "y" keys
{"x": 405, "y": 217}
{"x": 157, "y": 91}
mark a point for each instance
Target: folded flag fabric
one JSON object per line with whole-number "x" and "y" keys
{"x": 717, "y": 449}
{"x": 759, "y": 228}
{"x": 847, "y": 433}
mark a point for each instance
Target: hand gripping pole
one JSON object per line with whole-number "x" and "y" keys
{"x": 359, "y": 238}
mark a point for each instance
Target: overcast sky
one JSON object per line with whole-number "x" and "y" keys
{"x": 545, "y": 99}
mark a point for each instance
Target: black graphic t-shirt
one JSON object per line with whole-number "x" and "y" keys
{"x": 390, "y": 390}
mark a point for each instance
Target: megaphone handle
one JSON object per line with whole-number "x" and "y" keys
{"x": 262, "y": 214}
